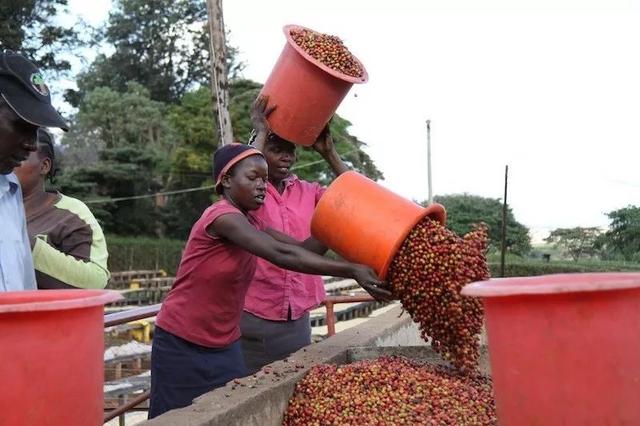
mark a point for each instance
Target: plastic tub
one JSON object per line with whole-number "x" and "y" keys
{"x": 306, "y": 92}
{"x": 51, "y": 356}
{"x": 365, "y": 222}
{"x": 564, "y": 349}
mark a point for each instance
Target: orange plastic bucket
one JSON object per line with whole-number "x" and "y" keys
{"x": 306, "y": 92}
{"x": 52, "y": 357}
{"x": 366, "y": 223}
{"x": 564, "y": 349}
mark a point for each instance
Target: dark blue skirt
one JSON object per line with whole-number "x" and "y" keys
{"x": 182, "y": 371}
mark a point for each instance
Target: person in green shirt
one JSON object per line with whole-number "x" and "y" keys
{"x": 68, "y": 247}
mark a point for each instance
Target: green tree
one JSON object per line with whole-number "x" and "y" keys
{"x": 120, "y": 172}
{"x": 161, "y": 44}
{"x": 108, "y": 119}
{"x": 622, "y": 240}
{"x": 191, "y": 162}
{"x": 120, "y": 146}
{"x": 577, "y": 242}
{"x": 33, "y": 27}
{"x": 465, "y": 210}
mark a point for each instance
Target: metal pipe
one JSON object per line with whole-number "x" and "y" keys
{"x": 126, "y": 407}
{"x": 124, "y": 317}
{"x": 350, "y": 299}
{"x": 504, "y": 222}
{"x": 331, "y": 320}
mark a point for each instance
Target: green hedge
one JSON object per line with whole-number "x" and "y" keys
{"x": 140, "y": 253}
{"x": 525, "y": 268}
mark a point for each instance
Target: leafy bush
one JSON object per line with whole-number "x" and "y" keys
{"x": 523, "y": 268}
{"x": 141, "y": 253}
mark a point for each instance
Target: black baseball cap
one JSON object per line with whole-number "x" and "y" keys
{"x": 23, "y": 88}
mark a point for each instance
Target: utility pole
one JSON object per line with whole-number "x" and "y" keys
{"x": 504, "y": 222}
{"x": 429, "y": 160}
{"x": 219, "y": 83}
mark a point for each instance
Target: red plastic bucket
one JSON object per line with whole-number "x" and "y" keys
{"x": 52, "y": 357}
{"x": 306, "y": 92}
{"x": 564, "y": 349}
{"x": 365, "y": 222}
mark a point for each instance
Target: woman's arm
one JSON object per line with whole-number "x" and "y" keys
{"x": 326, "y": 148}
{"x": 310, "y": 243}
{"x": 62, "y": 270}
{"x": 237, "y": 229}
{"x": 79, "y": 257}
{"x": 259, "y": 115}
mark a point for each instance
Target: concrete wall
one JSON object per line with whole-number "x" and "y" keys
{"x": 261, "y": 400}
{"x": 407, "y": 334}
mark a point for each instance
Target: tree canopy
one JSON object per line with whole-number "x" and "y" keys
{"x": 33, "y": 27}
{"x": 578, "y": 242}
{"x": 161, "y": 44}
{"x": 465, "y": 210}
{"x": 622, "y": 240}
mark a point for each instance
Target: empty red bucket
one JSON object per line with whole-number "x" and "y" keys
{"x": 52, "y": 357}
{"x": 564, "y": 349}
{"x": 306, "y": 92}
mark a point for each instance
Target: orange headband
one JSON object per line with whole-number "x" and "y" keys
{"x": 235, "y": 160}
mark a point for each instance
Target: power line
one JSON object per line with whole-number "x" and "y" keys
{"x": 138, "y": 197}
{"x": 182, "y": 191}
{"x": 312, "y": 163}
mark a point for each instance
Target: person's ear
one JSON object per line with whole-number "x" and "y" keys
{"x": 226, "y": 181}
{"x": 45, "y": 166}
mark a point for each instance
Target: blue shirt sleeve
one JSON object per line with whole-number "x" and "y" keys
{"x": 16, "y": 265}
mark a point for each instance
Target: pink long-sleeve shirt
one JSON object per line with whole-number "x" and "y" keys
{"x": 273, "y": 289}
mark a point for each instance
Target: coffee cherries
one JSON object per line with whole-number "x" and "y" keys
{"x": 329, "y": 50}
{"x": 427, "y": 274}
{"x": 390, "y": 391}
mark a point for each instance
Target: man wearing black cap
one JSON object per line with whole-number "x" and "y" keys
{"x": 25, "y": 105}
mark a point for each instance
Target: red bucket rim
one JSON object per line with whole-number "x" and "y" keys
{"x": 553, "y": 284}
{"x": 54, "y": 300}
{"x": 356, "y": 80}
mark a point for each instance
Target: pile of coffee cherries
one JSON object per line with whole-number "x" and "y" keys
{"x": 427, "y": 275}
{"x": 390, "y": 391}
{"x": 329, "y": 50}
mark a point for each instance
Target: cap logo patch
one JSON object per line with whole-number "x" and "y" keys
{"x": 38, "y": 84}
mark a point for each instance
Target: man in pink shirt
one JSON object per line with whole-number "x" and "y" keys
{"x": 275, "y": 321}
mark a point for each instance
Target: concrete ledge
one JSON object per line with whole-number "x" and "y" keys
{"x": 261, "y": 400}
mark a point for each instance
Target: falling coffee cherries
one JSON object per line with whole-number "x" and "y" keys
{"x": 427, "y": 275}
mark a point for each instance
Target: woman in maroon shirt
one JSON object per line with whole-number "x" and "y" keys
{"x": 195, "y": 345}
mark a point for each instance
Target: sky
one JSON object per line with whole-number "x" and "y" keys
{"x": 550, "y": 88}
